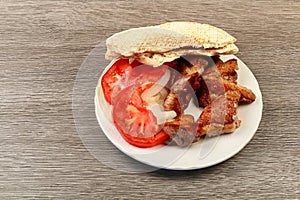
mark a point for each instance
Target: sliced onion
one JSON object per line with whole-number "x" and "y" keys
{"x": 161, "y": 115}
{"x": 157, "y": 87}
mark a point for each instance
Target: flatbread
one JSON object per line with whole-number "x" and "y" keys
{"x": 206, "y": 35}
{"x": 145, "y": 39}
{"x": 163, "y": 43}
{"x": 157, "y": 59}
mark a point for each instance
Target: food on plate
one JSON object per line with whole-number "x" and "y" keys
{"x": 159, "y": 72}
{"x": 135, "y": 122}
{"x": 220, "y": 78}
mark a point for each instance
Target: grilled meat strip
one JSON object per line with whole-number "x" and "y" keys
{"x": 218, "y": 87}
{"x": 219, "y": 79}
{"x": 220, "y": 116}
{"x": 227, "y": 69}
{"x": 182, "y": 130}
{"x": 183, "y": 84}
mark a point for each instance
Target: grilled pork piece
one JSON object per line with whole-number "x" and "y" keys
{"x": 220, "y": 87}
{"x": 183, "y": 84}
{"x": 219, "y": 79}
{"x": 182, "y": 130}
{"x": 172, "y": 103}
{"x": 220, "y": 116}
{"x": 247, "y": 96}
{"x": 227, "y": 69}
{"x": 192, "y": 65}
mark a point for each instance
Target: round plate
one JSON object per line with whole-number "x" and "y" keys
{"x": 206, "y": 152}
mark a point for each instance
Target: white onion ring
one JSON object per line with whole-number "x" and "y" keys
{"x": 157, "y": 87}
{"x": 161, "y": 115}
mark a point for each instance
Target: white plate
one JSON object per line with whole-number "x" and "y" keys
{"x": 206, "y": 152}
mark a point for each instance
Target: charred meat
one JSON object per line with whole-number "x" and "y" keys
{"x": 215, "y": 84}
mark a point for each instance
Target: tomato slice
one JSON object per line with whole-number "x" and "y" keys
{"x": 123, "y": 85}
{"x": 137, "y": 125}
{"x": 139, "y": 75}
{"x": 111, "y": 78}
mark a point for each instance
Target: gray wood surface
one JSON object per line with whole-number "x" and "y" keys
{"x": 42, "y": 46}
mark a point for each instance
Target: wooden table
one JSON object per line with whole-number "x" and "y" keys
{"x": 42, "y": 46}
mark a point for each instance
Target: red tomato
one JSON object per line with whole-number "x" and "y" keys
{"x": 111, "y": 78}
{"x": 137, "y": 125}
{"x": 139, "y": 75}
{"x": 123, "y": 85}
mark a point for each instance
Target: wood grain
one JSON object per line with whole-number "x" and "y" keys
{"x": 42, "y": 45}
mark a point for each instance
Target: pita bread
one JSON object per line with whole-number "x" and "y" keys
{"x": 145, "y": 39}
{"x": 206, "y": 35}
{"x": 157, "y": 59}
{"x": 163, "y": 43}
